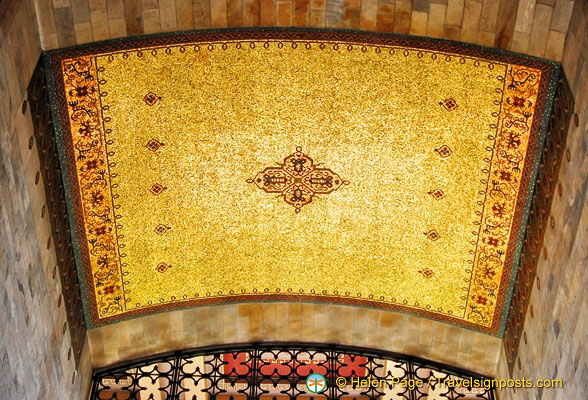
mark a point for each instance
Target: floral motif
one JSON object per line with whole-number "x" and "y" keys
{"x": 437, "y": 194}
{"x": 427, "y": 272}
{"x": 432, "y": 234}
{"x": 162, "y": 267}
{"x": 109, "y": 289}
{"x": 298, "y": 180}
{"x": 151, "y": 98}
{"x": 444, "y": 151}
{"x": 79, "y": 77}
{"x": 516, "y": 118}
{"x": 154, "y": 145}
{"x": 157, "y": 189}
{"x": 161, "y": 229}
{"x": 449, "y": 104}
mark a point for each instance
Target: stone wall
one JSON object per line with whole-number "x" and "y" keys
{"x": 294, "y": 322}
{"x": 34, "y": 350}
{"x": 555, "y": 338}
{"x": 536, "y": 27}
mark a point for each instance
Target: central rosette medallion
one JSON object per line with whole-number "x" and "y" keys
{"x": 298, "y": 180}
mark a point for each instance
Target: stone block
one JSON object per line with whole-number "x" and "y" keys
{"x": 562, "y": 13}
{"x": 486, "y": 38}
{"x": 167, "y": 15}
{"x": 301, "y": 12}
{"x": 45, "y": 19}
{"x": 421, "y": 5}
{"x": 318, "y": 5}
{"x": 117, "y": 28}
{"x": 368, "y": 15}
{"x": 334, "y": 13}
{"x": 234, "y": 13}
{"x": 489, "y": 15}
{"x": 65, "y": 27}
{"x": 250, "y": 10}
{"x": 201, "y": 15}
{"x": 255, "y": 319}
{"x": 525, "y": 14}
{"x": 116, "y": 9}
{"x": 267, "y": 12}
{"x": 150, "y": 4}
{"x": 99, "y": 20}
{"x": 320, "y": 324}
{"x": 402, "y": 16}
{"x": 281, "y": 321}
{"x": 385, "y": 18}
{"x": 268, "y": 321}
{"x": 283, "y": 13}
{"x": 436, "y": 22}
{"x": 540, "y": 30}
{"x": 133, "y": 17}
{"x": 454, "y": 12}
{"x": 81, "y": 11}
{"x": 418, "y": 23}
{"x": 317, "y": 19}
{"x": 351, "y": 18}
{"x": 295, "y": 321}
{"x": 184, "y": 15}
{"x": 96, "y": 4}
{"x": 351, "y": 3}
{"x": 83, "y": 32}
{"x": 218, "y": 14}
{"x": 61, "y": 3}
{"x": 520, "y": 42}
{"x": 307, "y": 326}
{"x": 471, "y": 21}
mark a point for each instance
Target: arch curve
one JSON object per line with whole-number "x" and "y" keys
{"x": 294, "y": 322}
{"x": 286, "y": 371}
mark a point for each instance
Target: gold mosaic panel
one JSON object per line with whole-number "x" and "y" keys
{"x": 238, "y": 170}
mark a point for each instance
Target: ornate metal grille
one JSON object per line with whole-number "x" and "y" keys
{"x": 279, "y": 371}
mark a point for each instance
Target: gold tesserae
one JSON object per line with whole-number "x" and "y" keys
{"x": 325, "y": 169}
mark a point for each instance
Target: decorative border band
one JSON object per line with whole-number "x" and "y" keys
{"x": 557, "y": 122}
{"x": 61, "y": 117}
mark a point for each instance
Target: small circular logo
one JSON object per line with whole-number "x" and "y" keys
{"x": 316, "y": 383}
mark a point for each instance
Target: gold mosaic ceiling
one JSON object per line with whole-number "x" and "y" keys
{"x": 327, "y": 167}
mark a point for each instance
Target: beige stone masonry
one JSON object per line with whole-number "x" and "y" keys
{"x": 535, "y": 27}
{"x": 294, "y": 322}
